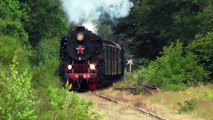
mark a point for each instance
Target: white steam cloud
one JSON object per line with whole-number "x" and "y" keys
{"x": 88, "y": 12}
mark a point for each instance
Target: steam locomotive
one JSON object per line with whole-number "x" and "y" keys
{"x": 88, "y": 62}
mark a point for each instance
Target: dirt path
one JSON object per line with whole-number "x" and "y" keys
{"x": 113, "y": 111}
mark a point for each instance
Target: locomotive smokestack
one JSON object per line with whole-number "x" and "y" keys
{"x": 80, "y": 28}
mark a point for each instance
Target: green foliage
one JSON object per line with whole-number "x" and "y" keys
{"x": 46, "y": 57}
{"x": 11, "y": 9}
{"x": 105, "y": 31}
{"x": 208, "y": 96}
{"x": 65, "y": 105}
{"x": 173, "y": 71}
{"x": 13, "y": 38}
{"x": 11, "y": 17}
{"x": 10, "y": 47}
{"x": 203, "y": 48}
{"x": 187, "y": 106}
{"x": 13, "y": 29}
{"x": 16, "y": 100}
{"x": 143, "y": 62}
{"x": 208, "y": 18}
{"x": 47, "y": 50}
{"x": 130, "y": 79}
{"x": 47, "y": 20}
{"x": 154, "y": 24}
{"x": 130, "y": 83}
{"x": 45, "y": 26}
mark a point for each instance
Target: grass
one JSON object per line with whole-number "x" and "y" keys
{"x": 202, "y": 95}
{"x": 194, "y": 103}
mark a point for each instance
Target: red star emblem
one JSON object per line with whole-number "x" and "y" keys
{"x": 80, "y": 50}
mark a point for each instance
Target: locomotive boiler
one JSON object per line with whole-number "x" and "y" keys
{"x": 88, "y": 62}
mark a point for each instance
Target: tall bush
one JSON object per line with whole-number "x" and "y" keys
{"x": 67, "y": 105}
{"x": 11, "y": 18}
{"x": 174, "y": 70}
{"x": 16, "y": 100}
{"x": 10, "y": 47}
{"x": 46, "y": 59}
{"x": 13, "y": 37}
{"x": 203, "y": 48}
{"x": 47, "y": 20}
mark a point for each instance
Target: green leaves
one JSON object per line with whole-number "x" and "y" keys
{"x": 187, "y": 106}
{"x": 105, "y": 31}
{"x": 45, "y": 23}
{"x": 47, "y": 20}
{"x": 174, "y": 70}
{"x": 13, "y": 38}
{"x": 16, "y": 100}
{"x": 10, "y": 9}
{"x": 154, "y": 24}
{"x": 11, "y": 20}
{"x": 10, "y": 47}
{"x": 68, "y": 105}
{"x": 203, "y": 48}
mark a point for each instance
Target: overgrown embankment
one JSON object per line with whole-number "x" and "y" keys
{"x": 30, "y": 34}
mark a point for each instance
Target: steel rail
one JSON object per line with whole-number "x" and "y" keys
{"x": 131, "y": 106}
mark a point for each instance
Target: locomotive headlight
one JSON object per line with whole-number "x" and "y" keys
{"x": 92, "y": 66}
{"x": 80, "y": 36}
{"x": 69, "y": 67}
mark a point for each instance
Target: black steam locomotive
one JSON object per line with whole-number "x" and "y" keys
{"x": 87, "y": 61}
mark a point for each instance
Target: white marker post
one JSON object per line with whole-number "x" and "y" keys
{"x": 130, "y": 63}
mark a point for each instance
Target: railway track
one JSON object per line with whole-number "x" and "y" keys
{"x": 131, "y": 106}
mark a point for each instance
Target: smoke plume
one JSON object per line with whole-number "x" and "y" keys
{"x": 89, "y": 12}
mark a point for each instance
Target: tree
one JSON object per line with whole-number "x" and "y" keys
{"x": 11, "y": 17}
{"x": 16, "y": 100}
{"x": 105, "y": 31}
{"x": 13, "y": 38}
{"x": 202, "y": 46}
{"x": 47, "y": 20}
{"x": 154, "y": 24}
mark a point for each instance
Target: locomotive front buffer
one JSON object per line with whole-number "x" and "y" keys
{"x": 78, "y": 78}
